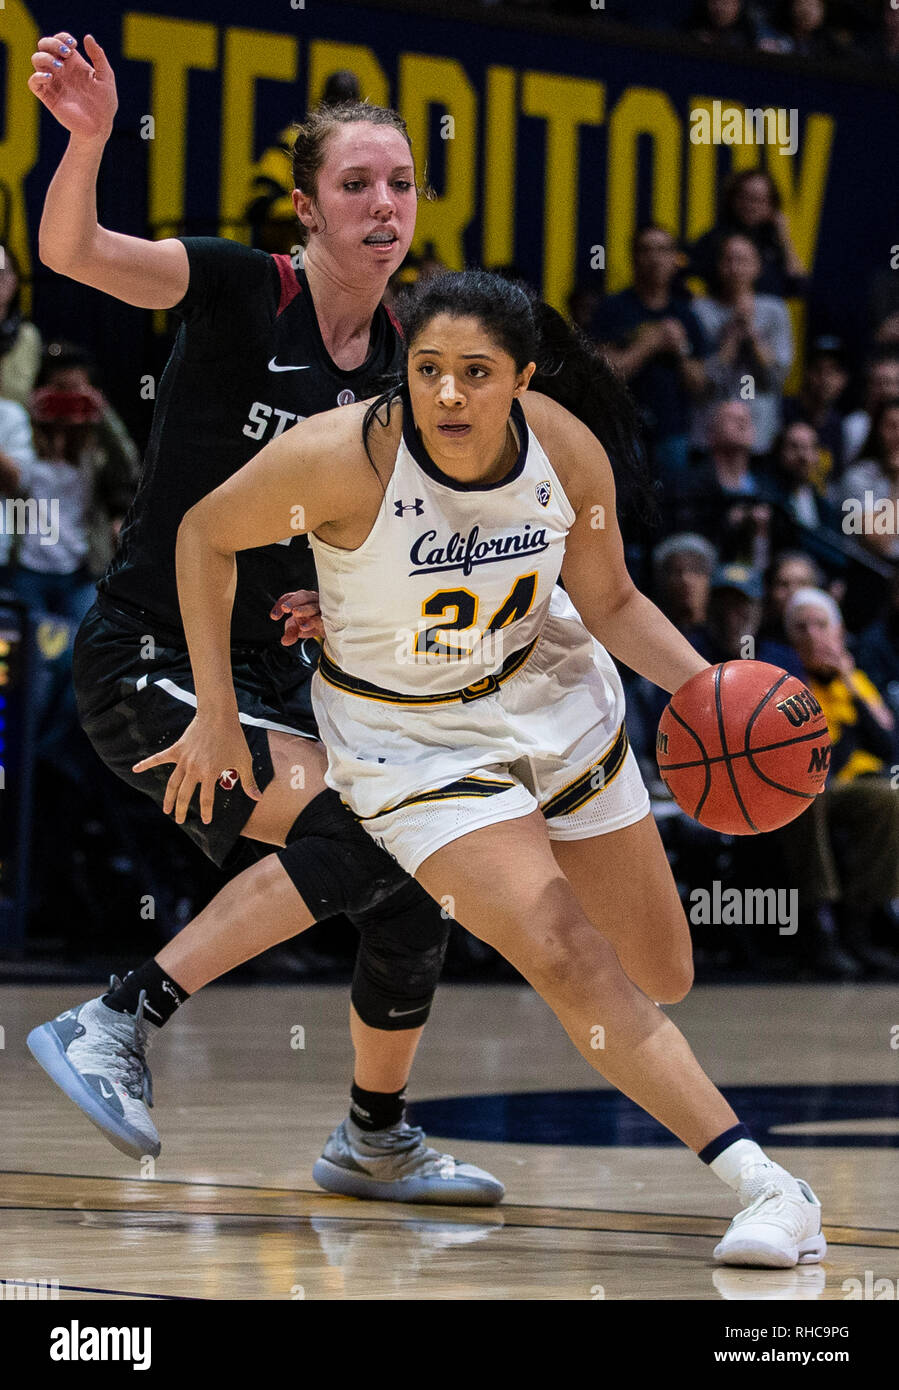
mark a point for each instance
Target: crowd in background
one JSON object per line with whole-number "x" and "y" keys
{"x": 858, "y": 31}
{"x": 766, "y": 527}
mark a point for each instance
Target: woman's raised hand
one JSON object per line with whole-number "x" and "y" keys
{"x": 81, "y": 97}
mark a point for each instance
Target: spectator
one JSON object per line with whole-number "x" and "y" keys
{"x": 874, "y": 480}
{"x": 877, "y": 650}
{"x": 682, "y": 570}
{"x": 801, "y": 516}
{"x": 723, "y": 499}
{"x": 847, "y": 850}
{"x": 881, "y": 384}
{"x": 825, "y": 379}
{"x": 582, "y": 305}
{"x": 651, "y": 335}
{"x": 58, "y": 577}
{"x": 726, "y": 24}
{"x": 886, "y": 333}
{"x": 752, "y": 343}
{"x": 789, "y": 571}
{"x": 341, "y": 86}
{"x": 735, "y": 612}
{"x": 751, "y": 206}
{"x": 20, "y": 341}
{"x": 69, "y": 367}
{"x": 887, "y": 46}
{"x": 16, "y": 463}
{"x": 804, "y": 29}
{"x": 682, "y": 567}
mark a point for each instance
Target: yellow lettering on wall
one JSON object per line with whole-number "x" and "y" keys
{"x": 703, "y": 191}
{"x": 425, "y": 82}
{"x": 640, "y": 111}
{"x": 327, "y": 57}
{"x": 172, "y": 47}
{"x": 799, "y": 321}
{"x": 565, "y": 103}
{"x": 248, "y": 55}
{"x": 18, "y": 148}
{"x": 803, "y": 197}
{"x": 500, "y": 153}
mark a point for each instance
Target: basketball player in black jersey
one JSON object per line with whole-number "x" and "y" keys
{"x": 262, "y": 344}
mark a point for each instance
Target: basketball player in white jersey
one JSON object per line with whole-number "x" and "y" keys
{"x": 472, "y": 719}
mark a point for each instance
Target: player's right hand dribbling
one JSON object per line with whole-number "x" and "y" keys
{"x": 82, "y": 97}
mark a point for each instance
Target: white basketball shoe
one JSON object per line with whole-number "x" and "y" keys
{"x": 779, "y": 1229}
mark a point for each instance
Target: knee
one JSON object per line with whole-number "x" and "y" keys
{"x": 672, "y": 984}
{"x": 568, "y": 956}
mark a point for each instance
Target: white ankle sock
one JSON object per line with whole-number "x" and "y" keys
{"x": 746, "y": 1168}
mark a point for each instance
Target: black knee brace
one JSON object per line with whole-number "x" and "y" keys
{"x": 400, "y": 957}
{"x": 333, "y": 863}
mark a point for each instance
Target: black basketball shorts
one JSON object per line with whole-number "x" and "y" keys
{"x": 136, "y": 696}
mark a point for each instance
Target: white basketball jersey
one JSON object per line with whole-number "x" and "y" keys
{"x": 453, "y": 579}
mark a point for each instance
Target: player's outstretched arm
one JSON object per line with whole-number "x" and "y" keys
{"x": 628, "y": 624}
{"x": 82, "y": 96}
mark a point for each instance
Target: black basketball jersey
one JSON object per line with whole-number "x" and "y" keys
{"x": 248, "y": 362}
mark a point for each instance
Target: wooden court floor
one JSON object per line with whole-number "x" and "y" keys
{"x": 250, "y": 1081}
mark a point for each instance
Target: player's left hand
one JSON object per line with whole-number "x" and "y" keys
{"x": 303, "y": 613}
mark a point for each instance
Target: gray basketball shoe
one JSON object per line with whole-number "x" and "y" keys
{"x": 97, "y": 1057}
{"x": 396, "y": 1165}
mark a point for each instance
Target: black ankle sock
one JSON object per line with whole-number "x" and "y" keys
{"x": 376, "y": 1109}
{"x": 724, "y": 1141}
{"x": 164, "y": 995}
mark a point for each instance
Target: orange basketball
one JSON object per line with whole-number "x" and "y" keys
{"x": 743, "y": 747}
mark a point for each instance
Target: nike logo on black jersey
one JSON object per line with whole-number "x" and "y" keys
{"x": 274, "y": 367}
{"x": 417, "y": 507}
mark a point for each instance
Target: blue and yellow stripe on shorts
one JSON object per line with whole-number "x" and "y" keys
{"x": 571, "y": 798}
{"x": 591, "y": 782}
{"x": 464, "y": 787}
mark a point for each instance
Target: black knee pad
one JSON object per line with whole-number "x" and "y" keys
{"x": 333, "y": 864}
{"x": 400, "y": 957}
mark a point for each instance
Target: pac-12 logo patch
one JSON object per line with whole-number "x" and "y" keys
{"x": 544, "y": 492}
{"x": 345, "y": 397}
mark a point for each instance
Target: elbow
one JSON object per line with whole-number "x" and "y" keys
{"x": 196, "y": 531}
{"x": 191, "y": 523}
{"x": 56, "y": 257}
{"x": 47, "y": 256}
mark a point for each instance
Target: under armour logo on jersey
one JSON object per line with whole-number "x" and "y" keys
{"x": 417, "y": 507}
{"x": 544, "y": 492}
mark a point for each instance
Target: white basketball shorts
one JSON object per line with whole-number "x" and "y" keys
{"x": 551, "y": 736}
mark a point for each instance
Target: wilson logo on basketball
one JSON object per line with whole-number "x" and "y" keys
{"x": 661, "y": 742}
{"x": 799, "y": 708}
